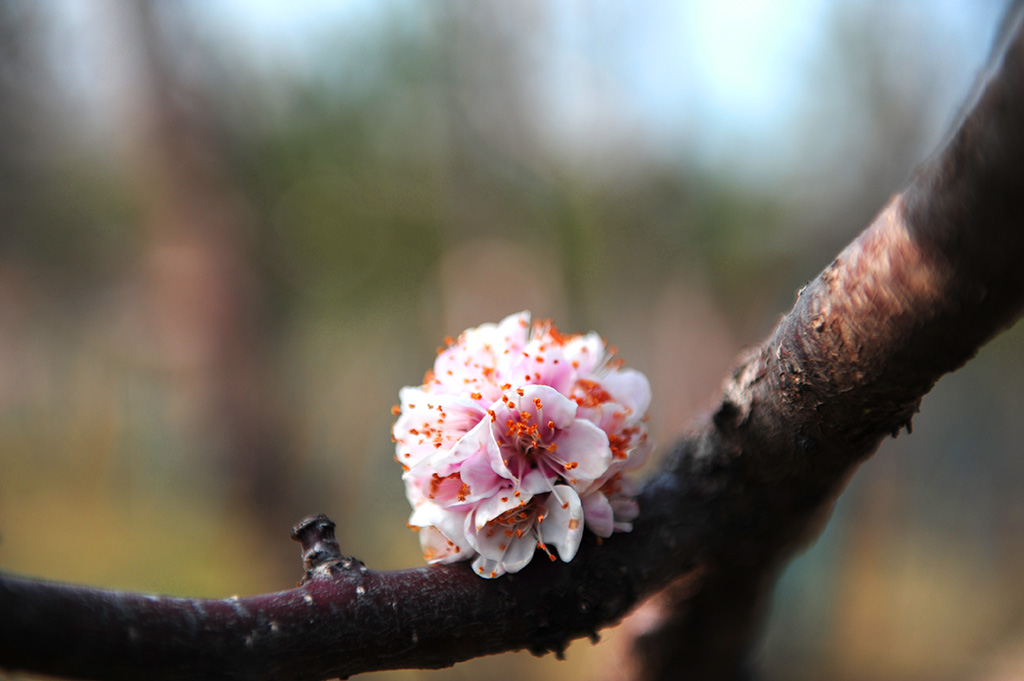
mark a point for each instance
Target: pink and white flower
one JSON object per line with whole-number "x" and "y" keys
{"x": 518, "y": 440}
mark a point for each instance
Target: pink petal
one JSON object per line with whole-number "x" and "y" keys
{"x": 428, "y": 423}
{"x": 586, "y": 446}
{"x": 542, "y": 362}
{"x": 464, "y": 465}
{"x": 587, "y": 351}
{"x": 598, "y": 513}
{"x": 630, "y": 388}
{"x": 513, "y": 330}
{"x": 482, "y": 480}
{"x": 555, "y": 406}
{"x": 637, "y": 456}
{"x": 471, "y": 444}
{"x": 626, "y": 510}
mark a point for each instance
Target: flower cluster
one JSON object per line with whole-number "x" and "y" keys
{"x": 517, "y": 441}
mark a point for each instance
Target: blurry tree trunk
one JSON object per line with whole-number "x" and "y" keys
{"x": 206, "y": 317}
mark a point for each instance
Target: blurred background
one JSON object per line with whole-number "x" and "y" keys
{"x": 230, "y": 231}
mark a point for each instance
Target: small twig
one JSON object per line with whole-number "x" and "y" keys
{"x": 321, "y": 555}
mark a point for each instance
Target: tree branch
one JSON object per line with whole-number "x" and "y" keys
{"x": 934, "y": 277}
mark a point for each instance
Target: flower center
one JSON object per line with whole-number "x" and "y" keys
{"x": 524, "y": 437}
{"x": 515, "y": 518}
{"x": 522, "y": 521}
{"x": 449, "y": 488}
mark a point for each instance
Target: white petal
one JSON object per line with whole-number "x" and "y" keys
{"x": 437, "y": 548}
{"x": 563, "y": 524}
{"x": 450, "y": 523}
{"x": 519, "y": 552}
{"x": 502, "y": 501}
{"x": 507, "y": 550}
{"x": 490, "y": 541}
{"x": 536, "y": 482}
{"x": 424, "y": 515}
{"x": 488, "y": 568}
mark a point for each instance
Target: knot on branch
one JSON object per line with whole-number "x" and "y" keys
{"x": 737, "y": 398}
{"x": 321, "y": 554}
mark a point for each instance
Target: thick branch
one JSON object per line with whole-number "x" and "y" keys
{"x": 934, "y": 277}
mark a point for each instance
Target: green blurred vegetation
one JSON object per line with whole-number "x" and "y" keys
{"x": 217, "y": 269}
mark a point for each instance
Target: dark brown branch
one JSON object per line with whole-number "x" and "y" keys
{"x": 935, "y": 276}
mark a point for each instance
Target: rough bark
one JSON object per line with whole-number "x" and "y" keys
{"x": 934, "y": 277}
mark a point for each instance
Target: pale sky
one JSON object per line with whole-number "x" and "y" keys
{"x": 720, "y": 71}
{"x": 714, "y": 77}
